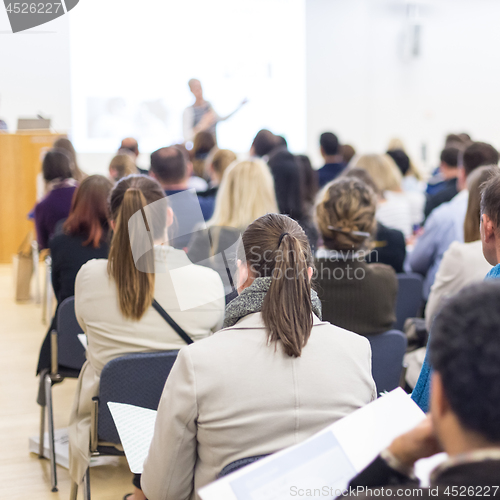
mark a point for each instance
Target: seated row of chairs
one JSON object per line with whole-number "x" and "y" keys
{"x": 138, "y": 379}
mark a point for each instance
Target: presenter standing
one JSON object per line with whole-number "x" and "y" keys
{"x": 200, "y": 116}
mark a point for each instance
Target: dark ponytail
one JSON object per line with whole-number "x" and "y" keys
{"x": 277, "y": 247}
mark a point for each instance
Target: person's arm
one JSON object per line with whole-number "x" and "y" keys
{"x": 222, "y": 118}
{"x": 394, "y": 465}
{"x": 56, "y": 268}
{"x": 424, "y": 252}
{"x": 169, "y": 467}
{"x": 446, "y": 283}
{"x": 42, "y": 235}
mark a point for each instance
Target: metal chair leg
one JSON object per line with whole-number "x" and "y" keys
{"x": 86, "y": 485}
{"x": 42, "y": 432}
{"x": 74, "y": 491}
{"x": 48, "y": 399}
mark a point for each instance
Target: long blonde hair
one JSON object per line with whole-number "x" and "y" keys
{"x": 397, "y": 143}
{"x": 245, "y": 194}
{"x": 135, "y": 288}
{"x": 383, "y": 170}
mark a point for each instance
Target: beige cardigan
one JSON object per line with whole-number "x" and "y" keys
{"x": 110, "y": 335}
{"x": 233, "y": 395}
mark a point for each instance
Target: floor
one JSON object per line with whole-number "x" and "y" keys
{"x": 22, "y": 474}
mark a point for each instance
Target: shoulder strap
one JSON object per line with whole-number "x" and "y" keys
{"x": 164, "y": 314}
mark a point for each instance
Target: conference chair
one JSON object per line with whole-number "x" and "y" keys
{"x": 135, "y": 379}
{"x": 239, "y": 464}
{"x": 409, "y": 299}
{"x": 388, "y": 350}
{"x": 68, "y": 356}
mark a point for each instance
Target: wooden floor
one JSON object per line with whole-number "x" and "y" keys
{"x": 23, "y": 475}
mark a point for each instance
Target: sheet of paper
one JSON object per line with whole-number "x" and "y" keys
{"x": 83, "y": 339}
{"x": 135, "y": 427}
{"x": 325, "y": 463}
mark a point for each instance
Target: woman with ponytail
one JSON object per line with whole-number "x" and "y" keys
{"x": 274, "y": 376}
{"x": 356, "y": 295}
{"x": 114, "y": 296}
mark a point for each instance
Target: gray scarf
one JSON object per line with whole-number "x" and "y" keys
{"x": 251, "y": 299}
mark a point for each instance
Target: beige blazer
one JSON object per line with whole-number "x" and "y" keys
{"x": 462, "y": 264}
{"x": 233, "y": 395}
{"x": 110, "y": 335}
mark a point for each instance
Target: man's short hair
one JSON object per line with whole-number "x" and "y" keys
{"x": 401, "y": 159}
{"x": 169, "y": 165}
{"x": 264, "y": 142}
{"x": 330, "y": 143}
{"x": 479, "y": 154}
{"x": 465, "y": 351}
{"x": 490, "y": 198}
{"x": 450, "y": 156}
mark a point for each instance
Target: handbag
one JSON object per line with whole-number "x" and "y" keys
{"x": 23, "y": 269}
{"x": 164, "y": 314}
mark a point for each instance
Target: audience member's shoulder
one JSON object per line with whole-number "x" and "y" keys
{"x": 94, "y": 267}
{"x": 340, "y": 335}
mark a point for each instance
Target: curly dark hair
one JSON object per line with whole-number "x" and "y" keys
{"x": 465, "y": 351}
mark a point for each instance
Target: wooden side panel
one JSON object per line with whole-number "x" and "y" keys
{"x": 20, "y": 163}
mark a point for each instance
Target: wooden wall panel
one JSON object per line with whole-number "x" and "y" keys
{"x": 20, "y": 163}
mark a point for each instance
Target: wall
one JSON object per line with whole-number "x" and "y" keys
{"x": 35, "y": 73}
{"x": 363, "y": 83}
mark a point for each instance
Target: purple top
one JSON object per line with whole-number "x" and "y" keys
{"x": 54, "y": 207}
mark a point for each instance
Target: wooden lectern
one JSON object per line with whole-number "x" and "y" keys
{"x": 20, "y": 163}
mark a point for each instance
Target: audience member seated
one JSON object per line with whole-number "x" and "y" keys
{"x": 490, "y": 225}
{"x": 216, "y": 168}
{"x": 131, "y": 146}
{"x": 393, "y": 208}
{"x": 446, "y": 223}
{"x": 309, "y": 183}
{"x": 436, "y": 182}
{"x": 463, "y": 263}
{"x": 332, "y": 156}
{"x": 449, "y": 173}
{"x": 246, "y": 193}
{"x": 236, "y": 394}
{"x": 60, "y": 186}
{"x": 412, "y": 177}
{"x": 465, "y": 407}
{"x": 171, "y": 169}
{"x": 66, "y": 145}
{"x": 203, "y": 144}
{"x": 355, "y": 295}
{"x": 287, "y": 179}
{"x": 347, "y": 152}
{"x": 82, "y": 237}
{"x": 113, "y": 301}
{"x": 120, "y": 166}
{"x": 389, "y": 246}
{"x": 412, "y": 188}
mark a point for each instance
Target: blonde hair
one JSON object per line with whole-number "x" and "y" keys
{"x": 397, "y": 143}
{"x": 346, "y": 207}
{"x": 221, "y": 160}
{"x": 123, "y": 165}
{"x": 383, "y": 170}
{"x": 245, "y": 194}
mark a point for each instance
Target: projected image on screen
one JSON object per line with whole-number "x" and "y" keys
{"x": 130, "y": 77}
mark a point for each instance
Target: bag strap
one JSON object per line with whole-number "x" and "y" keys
{"x": 164, "y": 314}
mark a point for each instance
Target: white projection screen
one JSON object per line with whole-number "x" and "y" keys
{"x": 131, "y": 62}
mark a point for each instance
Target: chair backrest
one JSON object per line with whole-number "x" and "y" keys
{"x": 409, "y": 299}
{"x": 70, "y": 351}
{"x": 388, "y": 350}
{"x": 238, "y": 464}
{"x": 136, "y": 379}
